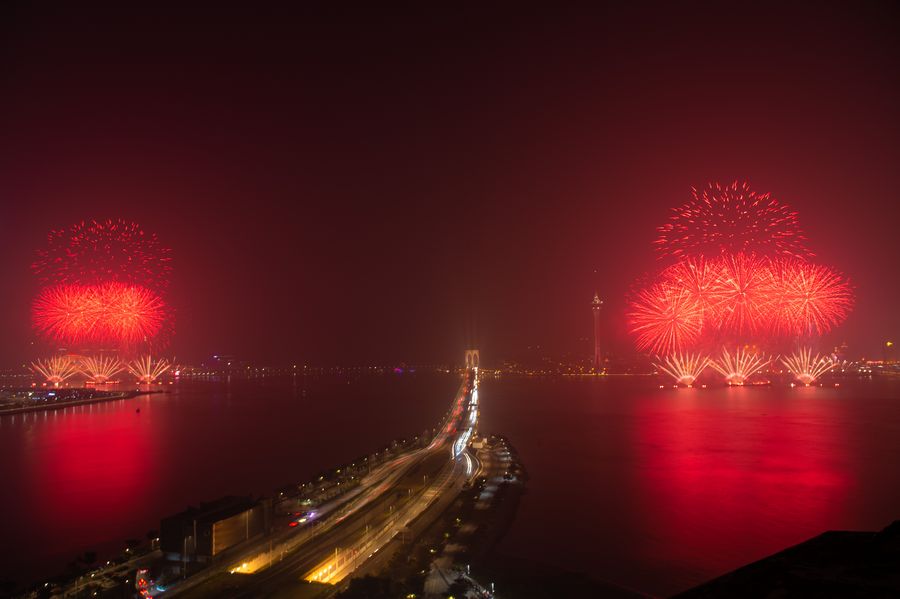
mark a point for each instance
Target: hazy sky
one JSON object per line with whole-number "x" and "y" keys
{"x": 342, "y": 187}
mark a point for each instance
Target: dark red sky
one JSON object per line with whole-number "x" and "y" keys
{"x": 349, "y": 188}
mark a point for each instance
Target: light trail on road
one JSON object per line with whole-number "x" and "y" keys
{"x": 353, "y": 528}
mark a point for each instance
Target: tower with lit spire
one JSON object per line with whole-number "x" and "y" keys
{"x": 596, "y": 304}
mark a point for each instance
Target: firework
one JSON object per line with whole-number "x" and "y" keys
{"x": 67, "y": 313}
{"x": 684, "y": 368}
{"x": 731, "y": 219}
{"x": 701, "y": 278}
{"x": 741, "y": 274}
{"x": 737, "y": 297}
{"x": 738, "y": 367}
{"x": 97, "y": 252}
{"x": 133, "y": 314}
{"x": 55, "y": 370}
{"x": 146, "y": 370}
{"x": 812, "y": 299}
{"x": 101, "y": 369}
{"x": 110, "y": 312}
{"x": 665, "y": 318}
{"x": 805, "y": 367}
{"x": 743, "y": 294}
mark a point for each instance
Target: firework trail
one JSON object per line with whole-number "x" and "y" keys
{"x": 55, "y": 370}
{"x": 146, "y": 370}
{"x": 738, "y": 367}
{"x": 728, "y": 220}
{"x": 684, "y": 368}
{"x": 96, "y": 252}
{"x": 101, "y": 369}
{"x": 805, "y": 367}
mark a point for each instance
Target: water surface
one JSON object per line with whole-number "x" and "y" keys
{"x": 652, "y": 489}
{"x": 89, "y": 477}
{"x": 658, "y": 490}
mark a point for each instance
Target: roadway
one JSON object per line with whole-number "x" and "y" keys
{"x": 350, "y": 530}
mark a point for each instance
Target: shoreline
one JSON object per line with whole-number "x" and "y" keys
{"x": 78, "y": 402}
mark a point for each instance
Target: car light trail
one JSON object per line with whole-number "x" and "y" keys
{"x": 460, "y": 445}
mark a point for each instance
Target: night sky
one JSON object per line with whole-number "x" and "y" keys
{"x": 368, "y": 187}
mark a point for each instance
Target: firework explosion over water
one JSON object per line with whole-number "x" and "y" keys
{"x": 742, "y": 275}
{"x": 103, "y": 283}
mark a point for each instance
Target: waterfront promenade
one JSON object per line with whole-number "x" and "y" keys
{"x": 22, "y": 401}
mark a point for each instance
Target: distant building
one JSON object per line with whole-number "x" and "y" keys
{"x": 201, "y": 533}
{"x": 596, "y": 304}
{"x": 841, "y": 352}
{"x": 227, "y": 363}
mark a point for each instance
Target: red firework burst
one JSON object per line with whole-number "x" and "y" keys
{"x": 812, "y": 298}
{"x": 96, "y": 252}
{"x": 701, "y": 278}
{"x": 737, "y": 298}
{"x": 731, "y": 219}
{"x": 665, "y": 318}
{"x": 66, "y": 313}
{"x": 743, "y": 294}
{"x": 111, "y": 312}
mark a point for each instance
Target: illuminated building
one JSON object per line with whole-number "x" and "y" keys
{"x": 596, "y": 304}
{"x": 199, "y": 534}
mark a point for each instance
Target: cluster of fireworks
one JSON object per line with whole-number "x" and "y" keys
{"x": 736, "y": 368}
{"x": 99, "y": 370}
{"x": 742, "y": 274}
{"x": 108, "y": 313}
{"x": 740, "y": 296}
{"x": 103, "y": 285}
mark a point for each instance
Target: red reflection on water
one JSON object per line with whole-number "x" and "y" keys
{"x": 770, "y": 474}
{"x": 92, "y": 468}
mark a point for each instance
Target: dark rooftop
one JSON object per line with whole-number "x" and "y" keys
{"x": 219, "y": 509}
{"x": 834, "y": 564}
